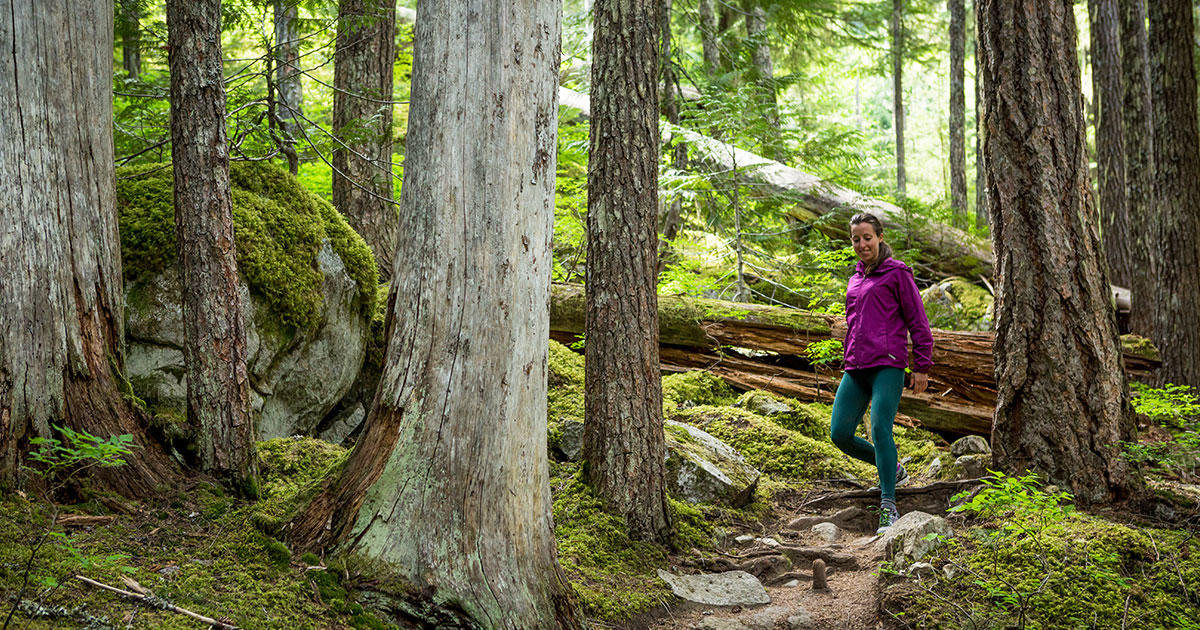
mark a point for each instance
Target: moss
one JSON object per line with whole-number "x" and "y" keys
{"x": 786, "y": 454}
{"x": 291, "y": 470}
{"x": 810, "y": 419}
{"x": 692, "y": 530}
{"x": 1139, "y": 347}
{"x": 278, "y": 230}
{"x": 613, "y": 577}
{"x": 565, "y": 393}
{"x": 695, "y": 388}
{"x": 278, "y": 553}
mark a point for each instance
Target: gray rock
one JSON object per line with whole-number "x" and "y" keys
{"x": 827, "y": 532}
{"x": 744, "y": 538}
{"x": 717, "y": 623}
{"x": 295, "y": 379}
{"x": 800, "y": 620}
{"x": 768, "y": 542}
{"x": 950, "y": 570}
{"x": 767, "y": 406}
{"x": 973, "y": 466}
{"x": 906, "y": 540}
{"x": 571, "y": 445}
{"x": 731, "y": 588}
{"x": 920, "y": 569}
{"x": 340, "y": 430}
{"x": 934, "y": 468}
{"x": 970, "y": 445}
{"x": 702, "y": 469}
{"x": 791, "y": 584}
{"x": 769, "y": 618}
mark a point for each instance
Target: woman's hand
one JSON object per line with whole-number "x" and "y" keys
{"x": 919, "y": 382}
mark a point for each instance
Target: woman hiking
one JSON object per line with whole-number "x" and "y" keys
{"x": 883, "y": 308}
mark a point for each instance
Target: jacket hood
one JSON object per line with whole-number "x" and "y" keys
{"x": 887, "y": 265}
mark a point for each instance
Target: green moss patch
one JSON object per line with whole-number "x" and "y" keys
{"x": 688, "y": 389}
{"x": 278, "y": 229}
{"x": 613, "y": 577}
{"x": 784, "y": 454}
{"x": 565, "y": 393}
{"x": 291, "y": 472}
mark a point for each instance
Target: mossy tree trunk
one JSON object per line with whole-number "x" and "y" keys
{"x": 61, "y": 307}
{"x": 1062, "y": 405}
{"x": 1177, "y": 190}
{"x": 214, "y": 349}
{"x": 1139, "y": 156}
{"x": 362, "y": 120}
{"x": 623, "y": 440}
{"x": 449, "y": 481}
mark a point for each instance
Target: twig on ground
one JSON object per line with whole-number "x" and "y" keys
{"x": 220, "y": 625}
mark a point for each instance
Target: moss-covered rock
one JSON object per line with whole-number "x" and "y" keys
{"x": 688, "y": 389}
{"x": 957, "y": 303}
{"x": 565, "y": 393}
{"x": 810, "y": 419}
{"x": 308, "y": 296}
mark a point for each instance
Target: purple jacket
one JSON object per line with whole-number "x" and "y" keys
{"x": 882, "y": 310}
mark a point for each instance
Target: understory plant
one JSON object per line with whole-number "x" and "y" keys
{"x": 1175, "y": 409}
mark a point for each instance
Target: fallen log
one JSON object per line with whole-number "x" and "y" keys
{"x": 943, "y": 248}
{"x": 697, "y": 334}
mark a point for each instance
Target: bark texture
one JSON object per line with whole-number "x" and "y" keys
{"x": 1062, "y": 405}
{"x": 214, "y": 349}
{"x": 981, "y": 211}
{"x": 1110, "y": 140}
{"x": 764, "y": 74}
{"x": 1139, "y": 159}
{"x": 1177, "y": 190}
{"x": 623, "y": 432}
{"x": 287, "y": 68}
{"x": 897, "y": 29}
{"x": 958, "y": 113}
{"x": 362, "y": 121}
{"x": 708, "y": 36}
{"x": 61, "y": 306}
{"x": 449, "y": 483}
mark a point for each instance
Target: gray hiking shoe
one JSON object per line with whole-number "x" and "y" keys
{"x": 887, "y": 518}
{"x": 901, "y": 478}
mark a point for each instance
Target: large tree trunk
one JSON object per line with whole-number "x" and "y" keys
{"x": 958, "y": 113}
{"x": 1062, "y": 404}
{"x": 981, "y": 212}
{"x": 623, "y": 435}
{"x": 214, "y": 349}
{"x": 1139, "y": 156}
{"x": 362, "y": 120}
{"x": 449, "y": 482}
{"x": 897, "y": 29}
{"x": 764, "y": 71}
{"x": 1177, "y": 189}
{"x": 1110, "y": 140}
{"x": 708, "y": 37}
{"x": 61, "y": 307}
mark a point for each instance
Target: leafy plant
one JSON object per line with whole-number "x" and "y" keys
{"x": 1175, "y": 408}
{"x": 1170, "y": 406}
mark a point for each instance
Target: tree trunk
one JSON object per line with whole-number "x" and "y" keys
{"x": 61, "y": 306}
{"x": 449, "y": 482}
{"x": 708, "y": 37}
{"x": 671, "y": 221}
{"x": 1139, "y": 156}
{"x": 1177, "y": 189}
{"x": 764, "y": 74}
{"x": 981, "y": 211}
{"x": 362, "y": 120}
{"x": 214, "y": 349}
{"x": 958, "y": 113}
{"x": 129, "y": 29}
{"x": 1110, "y": 141}
{"x": 287, "y": 77}
{"x": 1062, "y": 404}
{"x": 623, "y": 435}
{"x": 898, "y": 89}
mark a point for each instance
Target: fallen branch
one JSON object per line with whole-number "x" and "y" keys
{"x": 159, "y": 603}
{"x": 933, "y": 488}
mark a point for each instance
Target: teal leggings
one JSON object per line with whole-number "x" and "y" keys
{"x": 881, "y": 387}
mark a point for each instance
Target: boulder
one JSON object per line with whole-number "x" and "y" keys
{"x": 970, "y": 445}
{"x": 909, "y": 539}
{"x": 973, "y": 466}
{"x": 702, "y": 469}
{"x": 731, "y": 588}
{"x": 827, "y": 532}
{"x": 571, "y": 444}
{"x": 958, "y": 304}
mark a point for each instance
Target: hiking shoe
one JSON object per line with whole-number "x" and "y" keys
{"x": 887, "y": 518}
{"x": 901, "y": 478}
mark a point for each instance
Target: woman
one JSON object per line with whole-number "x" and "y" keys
{"x": 883, "y": 307}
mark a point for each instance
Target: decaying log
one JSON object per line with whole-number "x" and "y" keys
{"x": 769, "y": 344}
{"x": 945, "y": 248}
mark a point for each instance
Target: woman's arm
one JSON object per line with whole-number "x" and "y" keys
{"x": 915, "y": 320}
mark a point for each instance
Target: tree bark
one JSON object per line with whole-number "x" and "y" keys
{"x": 708, "y": 37}
{"x": 958, "y": 113}
{"x": 1062, "y": 405}
{"x": 623, "y": 435}
{"x": 1139, "y": 157}
{"x": 671, "y": 220}
{"x": 287, "y": 74}
{"x": 1110, "y": 140}
{"x": 130, "y": 30}
{"x": 362, "y": 120}
{"x": 449, "y": 482}
{"x": 214, "y": 349}
{"x": 981, "y": 211}
{"x": 764, "y": 74}
{"x": 61, "y": 305}
{"x": 1177, "y": 189}
{"x": 897, "y": 29}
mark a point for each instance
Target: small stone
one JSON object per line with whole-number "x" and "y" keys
{"x": 950, "y": 570}
{"x": 791, "y": 584}
{"x": 170, "y": 570}
{"x": 769, "y": 542}
{"x": 801, "y": 620}
{"x": 970, "y": 445}
{"x": 973, "y": 466}
{"x": 920, "y": 569}
{"x": 934, "y": 468}
{"x": 827, "y": 532}
{"x": 743, "y": 539}
{"x": 717, "y": 623}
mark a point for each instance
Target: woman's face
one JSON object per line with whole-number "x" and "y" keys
{"x": 866, "y": 242}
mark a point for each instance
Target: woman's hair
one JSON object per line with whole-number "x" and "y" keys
{"x": 885, "y": 250}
